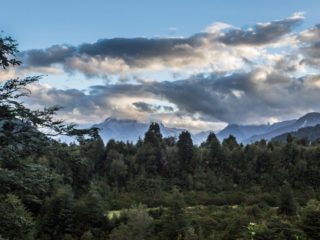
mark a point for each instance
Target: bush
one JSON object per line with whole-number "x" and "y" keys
{"x": 253, "y": 211}
{"x": 310, "y": 221}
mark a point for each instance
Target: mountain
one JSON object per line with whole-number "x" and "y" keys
{"x": 308, "y": 120}
{"x": 121, "y": 130}
{"x": 312, "y": 133}
{"x": 250, "y": 133}
{"x": 200, "y": 137}
{"x": 130, "y": 130}
{"x": 241, "y": 132}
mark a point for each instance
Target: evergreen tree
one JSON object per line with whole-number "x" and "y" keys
{"x": 214, "y": 146}
{"x": 153, "y": 135}
{"x": 118, "y": 169}
{"x": 59, "y": 214}
{"x": 89, "y": 214}
{"x": 185, "y": 148}
{"x": 288, "y": 205}
{"x": 289, "y": 138}
{"x": 230, "y": 143}
{"x": 175, "y": 222}
{"x": 150, "y": 153}
{"x": 310, "y": 221}
{"x": 15, "y": 220}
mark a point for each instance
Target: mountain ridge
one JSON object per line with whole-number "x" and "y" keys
{"x": 307, "y": 120}
{"x": 131, "y": 130}
{"x": 311, "y": 133}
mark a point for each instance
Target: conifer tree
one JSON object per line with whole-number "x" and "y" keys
{"x": 185, "y": 147}
{"x": 288, "y": 205}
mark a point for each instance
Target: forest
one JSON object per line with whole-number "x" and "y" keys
{"x": 158, "y": 188}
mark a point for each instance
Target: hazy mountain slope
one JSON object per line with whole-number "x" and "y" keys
{"x": 241, "y": 132}
{"x": 129, "y": 130}
{"x": 310, "y": 119}
{"x": 200, "y": 137}
{"x": 312, "y": 133}
{"x": 121, "y": 130}
{"x": 244, "y": 132}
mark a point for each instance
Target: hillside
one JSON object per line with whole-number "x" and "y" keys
{"x": 131, "y": 130}
{"x": 310, "y": 119}
{"x": 311, "y": 133}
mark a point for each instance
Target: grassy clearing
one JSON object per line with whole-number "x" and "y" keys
{"x": 116, "y": 213}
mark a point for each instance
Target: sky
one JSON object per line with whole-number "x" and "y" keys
{"x": 198, "y": 65}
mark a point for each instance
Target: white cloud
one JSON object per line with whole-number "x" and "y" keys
{"x": 229, "y": 74}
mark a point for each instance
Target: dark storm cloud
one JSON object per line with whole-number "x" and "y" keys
{"x": 237, "y": 98}
{"x": 48, "y": 56}
{"x": 142, "y": 48}
{"x": 146, "y": 107}
{"x": 132, "y": 51}
{"x": 151, "y": 108}
{"x": 261, "y": 33}
{"x": 241, "y": 97}
{"x": 210, "y": 96}
{"x": 168, "y": 108}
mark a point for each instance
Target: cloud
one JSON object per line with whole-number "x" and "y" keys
{"x": 262, "y": 33}
{"x": 110, "y": 56}
{"x": 257, "y": 96}
{"x": 48, "y": 56}
{"x": 310, "y": 45}
{"x": 287, "y": 63}
{"x": 168, "y": 108}
{"x": 146, "y": 107}
{"x": 220, "y": 48}
{"x": 226, "y": 75}
{"x": 152, "y": 108}
{"x": 11, "y": 72}
{"x": 6, "y": 74}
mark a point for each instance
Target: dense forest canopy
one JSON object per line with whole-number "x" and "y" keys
{"x": 158, "y": 188}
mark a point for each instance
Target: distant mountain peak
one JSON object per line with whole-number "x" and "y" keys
{"x": 312, "y": 116}
{"x": 131, "y": 130}
{"x": 232, "y": 125}
{"x": 308, "y": 120}
{"x": 109, "y": 119}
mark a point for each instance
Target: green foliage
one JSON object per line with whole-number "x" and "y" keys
{"x": 288, "y": 204}
{"x": 58, "y": 214}
{"x": 174, "y": 223}
{"x": 90, "y": 215}
{"x": 15, "y": 220}
{"x": 310, "y": 222}
{"x": 153, "y": 135}
{"x": 52, "y": 190}
{"x": 214, "y": 155}
{"x": 138, "y": 227}
{"x": 118, "y": 168}
{"x": 185, "y": 149}
{"x": 8, "y": 50}
{"x": 87, "y": 236}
